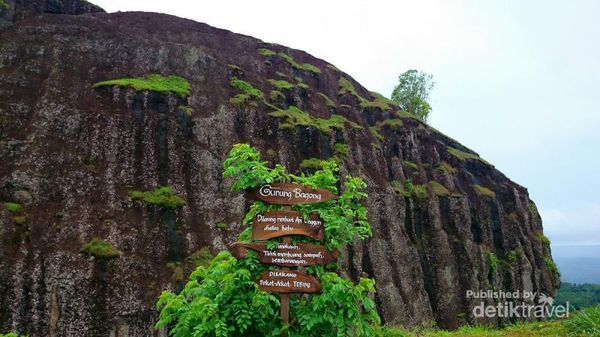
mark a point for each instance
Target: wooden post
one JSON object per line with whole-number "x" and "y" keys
{"x": 285, "y": 298}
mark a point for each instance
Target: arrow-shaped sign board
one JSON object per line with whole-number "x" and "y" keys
{"x": 292, "y": 194}
{"x": 287, "y": 255}
{"x": 281, "y": 223}
{"x": 288, "y": 281}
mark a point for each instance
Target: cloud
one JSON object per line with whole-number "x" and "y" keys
{"x": 573, "y": 226}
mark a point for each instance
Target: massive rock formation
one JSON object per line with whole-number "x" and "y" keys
{"x": 71, "y": 153}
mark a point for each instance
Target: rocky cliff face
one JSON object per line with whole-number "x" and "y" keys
{"x": 71, "y": 153}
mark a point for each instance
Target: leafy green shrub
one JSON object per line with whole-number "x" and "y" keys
{"x": 162, "y": 196}
{"x": 100, "y": 249}
{"x": 484, "y": 191}
{"x": 154, "y": 82}
{"x": 13, "y": 207}
{"x": 493, "y": 262}
{"x": 10, "y": 334}
{"x": 223, "y": 299}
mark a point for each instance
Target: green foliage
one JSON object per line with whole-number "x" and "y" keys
{"x": 201, "y": 257}
{"x": 512, "y": 256}
{"x": 223, "y": 299}
{"x": 222, "y": 226}
{"x": 295, "y": 117}
{"x": 340, "y": 151}
{"x": 162, "y": 196}
{"x": 533, "y": 208}
{"x": 579, "y": 296}
{"x": 281, "y": 84}
{"x": 332, "y": 67}
{"x": 417, "y": 191}
{"x": 484, "y": 191}
{"x": 398, "y": 188}
{"x": 462, "y": 156}
{"x": 100, "y": 249}
{"x": 248, "y": 91}
{"x": 539, "y": 235}
{"x": 411, "y": 165}
{"x": 412, "y": 92}
{"x": 19, "y": 219}
{"x": 13, "y": 207}
{"x": 312, "y": 163}
{"x": 328, "y": 101}
{"x": 276, "y": 95}
{"x": 551, "y": 265}
{"x": 375, "y": 133}
{"x": 380, "y": 102}
{"x": 493, "y": 262}
{"x": 4, "y": 5}
{"x": 154, "y": 82}
{"x": 439, "y": 189}
{"x": 290, "y": 60}
{"x": 10, "y": 334}
{"x": 266, "y": 52}
{"x": 446, "y": 168}
{"x": 393, "y": 123}
{"x": 186, "y": 109}
{"x": 585, "y": 323}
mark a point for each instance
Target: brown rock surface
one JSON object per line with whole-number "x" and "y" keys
{"x": 74, "y": 152}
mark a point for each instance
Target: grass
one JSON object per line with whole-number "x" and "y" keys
{"x": 539, "y": 235}
{"x": 281, "y": 84}
{"x": 4, "y": 5}
{"x": 19, "y": 219}
{"x": 201, "y": 257}
{"x": 493, "y": 262}
{"x": 162, "y": 196}
{"x": 340, "y": 150}
{"x": 398, "y": 188}
{"x": 276, "y": 95}
{"x": 312, "y": 163}
{"x": 484, "y": 191}
{"x": 393, "y": 123}
{"x": 100, "y": 249}
{"x": 462, "y": 156}
{"x": 551, "y": 265}
{"x": 411, "y": 165}
{"x": 186, "y": 109}
{"x": 328, "y": 101}
{"x": 13, "y": 207}
{"x": 153, "y": 82}
{"x": 266, "y": 52}
{"x": 376, "y": 133}
{"x": 439, "y": 189}
{"x": 247, "y": 89}
{"x": 293, "y": 117}
{"x": 446, "y": 168}
{"x": 290, "y": 60}
{"x": 222, "y": 226}
{"x": 584, "y": 323}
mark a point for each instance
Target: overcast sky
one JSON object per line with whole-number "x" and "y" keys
{"x": 517, "y": 81}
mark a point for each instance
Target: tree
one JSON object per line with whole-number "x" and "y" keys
{"x": 224, "y": 300}
{"x": 412, "y": 93}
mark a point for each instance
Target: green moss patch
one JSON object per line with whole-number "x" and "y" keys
{"x": 276, "y": 95}
{"x": 201, "y": 257}
{"x": 248, "y": 91}
{"x": 290, "y": 60}
{"x": 341, "y": 150}
{"x": 539, "y": 235}
{"x": 100, "y": 249}
{"x": 462, "y": 156}
{"x": 411, "y": 165}
{"x": 154, "y": 82}
{"x": 312, "y": 163}
{"x": 293, "y": 116}
{"x": 446, "y": 168}
{"x": 13, "y": 207}
{"x": 162, "y": 196}
{"x": 266, "y": 52}
{"x": 328, "y": 101}
{"x": 484, "y": 191}
{"x": 281, "y": 84}
{"x": 398, "y": 188}
{"x": 439, "y": 189}
{"x": 19, "y": 219}
{"x": 186, "y": 109}
{"x": 394, "y": 124}
{"x": 4, "y": 5}
{"x": 375, "y": 132}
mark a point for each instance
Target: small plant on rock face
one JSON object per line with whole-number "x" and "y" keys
{"x": 162, "y": 196}
{"x": 100, "y": 249}
{"x": 154, "y": 82}
{"x": 13, "y": 207}
{"x": 223, "y": 298}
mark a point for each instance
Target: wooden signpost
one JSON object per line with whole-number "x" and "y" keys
{"x": 292, "y": 194}
{"x": 283, "y": 224}
{"x": 288, "y": 281}
{"x": 287, "y": 255}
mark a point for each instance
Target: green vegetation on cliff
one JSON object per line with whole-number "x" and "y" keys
{"x": 100, "y": 249}
{"x": 585, "y": 323}
{"x": 484, "y": 191}
{"x": 162, "y": 196}
{"x": 13, "y": 207}
{"x": 3, "y": 5}
{"x": 290, "y": 60}
{"x": 294, "y": 117}
{"x": 248, "y": 91}
{"x": 153, "y": 82}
